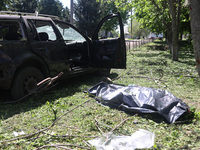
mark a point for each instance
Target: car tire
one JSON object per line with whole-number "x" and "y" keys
{"x": 25, "y": 82}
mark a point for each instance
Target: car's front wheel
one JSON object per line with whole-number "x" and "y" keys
{"x": 25, "y": 82}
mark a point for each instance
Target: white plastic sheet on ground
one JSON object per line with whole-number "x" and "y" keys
{"x": 109, "y": 141}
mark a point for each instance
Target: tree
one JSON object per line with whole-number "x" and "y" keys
{"x": 159, "y": 16}
{"x": 194, "y": 7}
{"x": 3, "y": 4}
{"x": 29, "y": 6}
{"x": 87, "y": 14}
{"x": 66, "y": 14}
{"x": 151, "y": 14}
{"x": 108, "y": 8}
{"x": 185, "y": 28}
{"x": 175, "y": 10}
{"x": 51, "y": 7}
{"x": 137, "y": 31}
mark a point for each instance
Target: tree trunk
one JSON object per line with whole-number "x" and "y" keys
{"x": 178, "y": 18}
{"x": 175, "y": 26}
{"x": 195, "y": 28}
{"x": 169, "y": 40}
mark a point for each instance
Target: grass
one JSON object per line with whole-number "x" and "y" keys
{"x": 82, "y": 123}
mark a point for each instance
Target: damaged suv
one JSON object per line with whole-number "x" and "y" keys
{"x": 33, "y": 47}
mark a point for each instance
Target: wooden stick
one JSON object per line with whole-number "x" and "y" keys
{"x": 98, "y": 127}
{"x": 59, "y": 145}
{"x": 120, "y": 124}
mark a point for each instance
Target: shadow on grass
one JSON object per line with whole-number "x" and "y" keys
{"x": 147, "y": 55}
{"x": 185, "y": 54}
{"x": 64, "y": 88}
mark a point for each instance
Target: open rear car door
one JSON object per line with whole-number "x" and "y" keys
{"x": 109, "y": 52}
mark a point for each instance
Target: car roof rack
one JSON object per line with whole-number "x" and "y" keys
{"x": 28, "y": 14}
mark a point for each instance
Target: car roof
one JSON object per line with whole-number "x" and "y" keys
{"x": 16, "y": 15}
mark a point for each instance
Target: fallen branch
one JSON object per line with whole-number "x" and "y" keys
{"x": 102, "y": 124}
{"x": 98, "y": 127}
{"x": 107, "y": 135}
{"x": 120, "y": 124}
{"x": 156, "y": 80}
{"x": 42, "y": 130}
{"x": 61, "y": 145}
{"x": 22, "y": 137}
{"x": 147, "y": 77}
{"x": 190, "y": 76}
{"x": 65, "y": 136}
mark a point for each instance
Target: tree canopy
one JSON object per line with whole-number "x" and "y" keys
{"x": 50, "y": 7}
{"x": 137, "y": 31}
{"x": 3, "y": 4}
{"x": 23, "y": 5}
{"x": 108, "y": 8}
{"x": 89, "y": 12}
{"x": 87, "y": 15}
{"x": 159, "y": 16}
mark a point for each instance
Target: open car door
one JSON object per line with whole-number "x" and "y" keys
{"x": 109, "y": 52}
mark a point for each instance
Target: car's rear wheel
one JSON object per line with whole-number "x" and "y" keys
{"x": 25, "y": 82}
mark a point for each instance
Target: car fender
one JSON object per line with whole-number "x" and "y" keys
{"x": 26, "y": 60}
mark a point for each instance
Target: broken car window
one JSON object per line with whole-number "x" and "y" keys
{"x": 69, "y": 34}
{"x": 10, "y": 30}
{"x": 44, "y": 30}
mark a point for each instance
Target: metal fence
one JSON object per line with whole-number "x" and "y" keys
{"x": 131, "y": 44}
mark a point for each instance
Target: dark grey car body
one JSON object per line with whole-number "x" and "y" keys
{"x": 50, "y": 46}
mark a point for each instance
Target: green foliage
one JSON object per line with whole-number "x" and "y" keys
{"x": 24, "y": 5}
{"x": 108, "y": 8}
{"x": 51, "y": 7}
{"x": 185, "y": 21}
{"x": 3, "y": 4}
{"x": 66, "y": 14}
{"x": 52, "y": 107}
{"x": 87, "y": 14}
{"x": 154, "y": 15}
{"x": 137, "y": 31}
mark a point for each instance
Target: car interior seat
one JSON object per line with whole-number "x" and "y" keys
{"x": 44, "y": 36}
